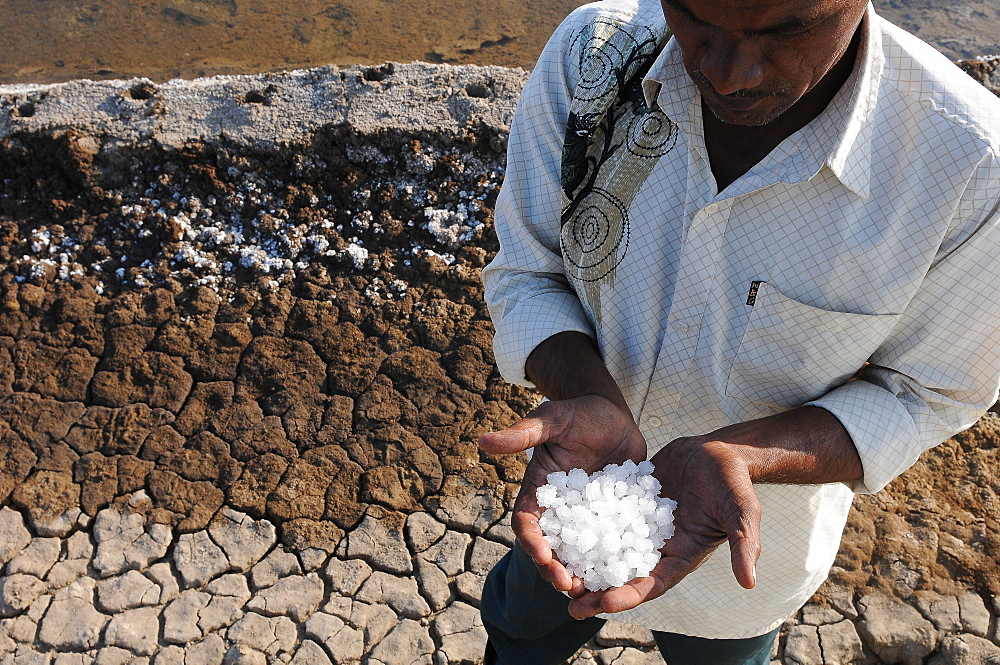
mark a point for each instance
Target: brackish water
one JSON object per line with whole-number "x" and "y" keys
{"x": 44, "y": 41}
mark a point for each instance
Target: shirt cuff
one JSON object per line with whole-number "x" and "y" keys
{"x": 881, "y": 428}
{"x": 532, "y": 322}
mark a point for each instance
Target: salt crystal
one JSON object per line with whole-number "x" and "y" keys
{"x": 649, "y": 560}
{"x": 606, "y": 528}
{"x": 617, "y": 574}
{"x": 634, "y": 559}
{"x": 546, "y": 495}
{"x": 648, "y": 483}
{"x": 549, "y": 523}
{"x": 577, "y": 479}
{"x": 586, "y": 540}
{"x": 612, "y": 542}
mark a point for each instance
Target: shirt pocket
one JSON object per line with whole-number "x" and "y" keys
{"x": 792, "y": 352}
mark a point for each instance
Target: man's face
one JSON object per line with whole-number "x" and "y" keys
{"x": 753, "y": 59}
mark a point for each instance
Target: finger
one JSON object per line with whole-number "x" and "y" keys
{"x": 632, "y": 594}
{"x": 587, "y": 605}
{"x": 744, "y": 552}
{"x": 668, "y": 572}
{"x": 619, "y": 599}
{"x": 526, "y": 433}
{"x": 543, "y": 424}
{"x": 528, "y": 532}
{"x": 745, "y": 543}
{"x": 555, "y": 574}
{"x": 529, "y": 535}
{"x": 578, "y": 588}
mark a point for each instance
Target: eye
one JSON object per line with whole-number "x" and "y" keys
{"x": 792, "y": 34}
{"x": 681, "y": 15}
{"x": 794, "y": 29}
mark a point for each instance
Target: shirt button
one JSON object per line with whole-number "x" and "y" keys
{"x": 680, "y": 326}
{"x": 711, "y": 207}
{"x": 653, "y": 421}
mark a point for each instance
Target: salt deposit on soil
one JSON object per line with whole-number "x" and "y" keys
{"x": 608, "y": 527}
{"x": 249, "y": 233}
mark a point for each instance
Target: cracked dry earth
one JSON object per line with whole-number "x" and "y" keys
{"x": 238, "y": 417}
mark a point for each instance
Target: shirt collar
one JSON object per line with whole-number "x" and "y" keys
{"x": 667, "y": 83}
{"x": 851, "y": 157}
{"x": 840, "y": 137}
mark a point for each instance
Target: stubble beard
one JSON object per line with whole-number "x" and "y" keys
{"x": 702, "y": 82}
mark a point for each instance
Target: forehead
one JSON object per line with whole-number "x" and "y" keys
{"x": 754, "y": 15}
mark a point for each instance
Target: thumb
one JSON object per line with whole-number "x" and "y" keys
{"x": 745, "y": 544}
{"x": 744, "y": 558}
{"x": 548, "y": 422}
{"x": 525, "y": 433}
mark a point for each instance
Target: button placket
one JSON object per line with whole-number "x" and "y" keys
{"x": 697, "y": 273}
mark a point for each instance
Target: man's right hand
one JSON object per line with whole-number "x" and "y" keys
{"x": 587, "y": 432}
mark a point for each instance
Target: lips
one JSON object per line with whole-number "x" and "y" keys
{"x": 737, "y": 110}
{"x": 735, "y": 104}
{"x": 743, "y": 110}
{"x": 723, "y": 103}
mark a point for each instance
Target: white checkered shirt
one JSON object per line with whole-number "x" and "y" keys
{"x": 875, "y": 234}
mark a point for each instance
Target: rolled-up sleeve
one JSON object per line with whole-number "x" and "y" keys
{"x": 528, "y": 295}
{"x": 939, "y": 371}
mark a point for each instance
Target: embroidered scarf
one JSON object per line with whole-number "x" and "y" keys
{"x": 613, "y": 140}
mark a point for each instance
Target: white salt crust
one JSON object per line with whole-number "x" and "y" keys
{"x": 606, "y": 528}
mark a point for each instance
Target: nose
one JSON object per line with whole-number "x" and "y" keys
{"x": 732, "y": 64}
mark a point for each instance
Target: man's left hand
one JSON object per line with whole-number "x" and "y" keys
{"x": 715, "y": 502}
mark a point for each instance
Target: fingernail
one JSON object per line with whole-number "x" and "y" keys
{"x": 753, "y": 574}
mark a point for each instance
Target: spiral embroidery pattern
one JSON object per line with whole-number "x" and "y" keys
{"x": 651, "y": 135}
{"x": 606, "y": 52}
{"x": 596, "y": 239}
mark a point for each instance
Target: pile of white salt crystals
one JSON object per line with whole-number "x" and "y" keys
{"x": 606, "y": 528}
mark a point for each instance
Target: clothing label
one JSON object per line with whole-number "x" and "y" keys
{"x": 752, "y": 295}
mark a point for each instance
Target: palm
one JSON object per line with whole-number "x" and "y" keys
{"x": 586, "y": 432}
{"x": 715, "y": 502}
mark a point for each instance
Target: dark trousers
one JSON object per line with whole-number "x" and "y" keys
{"x": 528, "y": 624}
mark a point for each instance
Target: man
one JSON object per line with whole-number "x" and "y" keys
{"x": 768, "y": 266}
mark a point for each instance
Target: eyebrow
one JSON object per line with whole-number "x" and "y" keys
{"x": 791, "y": 24}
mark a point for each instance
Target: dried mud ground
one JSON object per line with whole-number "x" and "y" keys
{"x": 298, "y": 334}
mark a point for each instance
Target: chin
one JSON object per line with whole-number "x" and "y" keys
{"x": 750, "y": 118}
